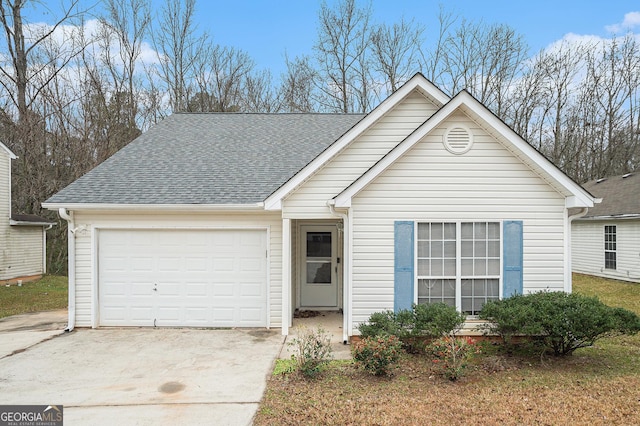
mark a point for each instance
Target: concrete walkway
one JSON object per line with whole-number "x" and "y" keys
{"x": 330, "y": 322}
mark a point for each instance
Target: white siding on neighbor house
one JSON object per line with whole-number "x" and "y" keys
{"x": 21, "y": 248}
{"x": 310, "y": 199}
{"x": 85, "y": 246}
{"x": 25, "y": 255}
{"x": 5, "y": 190}
{"x": 587, "y": 241}
{"x": 430, "y": 184}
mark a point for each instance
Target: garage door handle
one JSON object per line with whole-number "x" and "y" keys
{"x": 155, "y": 288}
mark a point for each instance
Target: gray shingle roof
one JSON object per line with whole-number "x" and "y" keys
{"x": 215, "y": 158}
{"x": 620, "y": 195}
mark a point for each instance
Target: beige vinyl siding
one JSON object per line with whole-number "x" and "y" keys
{"x": 21, "y": 248}
{"x": 5, "y": 188}
{"x": 587, "y": 240}
{"x": 430, "y": 184}
{"x": 310, "y": 199}
{"x": 25, "y": 255}
{"x": 85, "y": 247}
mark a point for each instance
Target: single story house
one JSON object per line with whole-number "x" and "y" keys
{"x": 232, "y": 220}
{"x": 23, "y": 238}
{"x": 606, "y": 241}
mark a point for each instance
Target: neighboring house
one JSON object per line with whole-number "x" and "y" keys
{"x": 240, "y": 219}
{"x": 606, "y": 241}
{"x": 22, "y": 237}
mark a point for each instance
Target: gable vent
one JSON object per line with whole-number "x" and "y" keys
{"x": 458, "y": 140}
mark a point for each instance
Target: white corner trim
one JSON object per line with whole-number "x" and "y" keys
{"x": 418, "y": 81}
{"x": 579, "y": 197}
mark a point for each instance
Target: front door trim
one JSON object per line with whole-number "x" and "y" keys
{"x": 319, "y": 296}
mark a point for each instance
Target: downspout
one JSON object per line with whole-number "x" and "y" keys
{"x": 44, "y": 248}
{"x": 346, "y": 274}
{"x": 569, "y": 277}
{"x": 71, "y": 235}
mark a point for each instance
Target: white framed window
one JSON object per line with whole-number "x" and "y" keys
{"x": 459, "y": 263}
{"x": 610, "y": 247}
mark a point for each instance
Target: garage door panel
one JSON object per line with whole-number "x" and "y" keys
{"x": 222, "y": 264}
{"x": 254, "y": 290}
{"x": 249, "y": 315}
{"x": 170, "y": 264}
{"x": 211, "y": 278}
{"x": 221, "y": 290}
{"x": 197, "y": 264}
{"x": 223, "y": 315}
{"x": 196, "y": 290}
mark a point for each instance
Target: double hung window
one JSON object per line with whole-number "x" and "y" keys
{"x": 459, "y": 263}
{"x": 610, "y": 247}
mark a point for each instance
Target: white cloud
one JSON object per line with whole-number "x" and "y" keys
{"x": 631, "y": 20}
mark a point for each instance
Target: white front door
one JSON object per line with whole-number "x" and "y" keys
{"x": 319, "y": 266}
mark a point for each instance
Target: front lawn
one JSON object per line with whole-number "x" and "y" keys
{"x": 597, "y": 385}
{"x": 48, "y": 293}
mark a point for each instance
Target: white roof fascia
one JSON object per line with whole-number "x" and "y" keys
{"x": 418, "y": 81}
{"x": 626, "y": 216}
{"x": 11, "y": 154}
{"x": 579, "y": 198}
{"x": 150, "y": 207}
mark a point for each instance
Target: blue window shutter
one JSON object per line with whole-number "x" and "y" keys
{"x": 403, "y": 265}
{"x": 512, "y": 258}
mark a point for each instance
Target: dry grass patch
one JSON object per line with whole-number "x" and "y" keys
{"x": 48, "y": 293}
{"x": 597, "y": 385}
{"x": 522, "y": 393}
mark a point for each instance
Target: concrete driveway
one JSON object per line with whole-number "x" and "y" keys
{"x": 144, "y": 376}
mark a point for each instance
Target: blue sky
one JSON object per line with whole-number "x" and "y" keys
{"x": 268, "y": 29}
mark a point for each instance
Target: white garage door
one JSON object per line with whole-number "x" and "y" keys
{"x": 191, "y": 278}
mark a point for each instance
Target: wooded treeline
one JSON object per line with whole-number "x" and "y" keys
{"x": 74, "y": 92}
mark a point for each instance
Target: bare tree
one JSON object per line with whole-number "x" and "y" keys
{"x": 342, "y": 41}
{"x": 220, "y": 78}
{"x": 297, "y": 86}
{"x": 485, "y": 60}
{"x": 432, "y": 63}
{"x": 259, "y": 93}
{"x": 177, "y": 45}
{"x": 396, "y": 51}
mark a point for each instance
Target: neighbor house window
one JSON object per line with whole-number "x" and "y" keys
{"x": 459, "y": 264}
{"x": 610, "y": 247}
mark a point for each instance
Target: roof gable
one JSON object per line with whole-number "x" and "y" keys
{"x": 575, "y": 195}
{"x": 417, "y": 82}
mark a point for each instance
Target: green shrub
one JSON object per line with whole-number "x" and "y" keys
{"x": 377, "y": 354}
{"x": 380, "y": 324}
{"x": 414, "y": 326}
{"x": 452, "y": 355}
{"x": 560, "y": 321}
{"x": 436, "y": 319}
{"x": 507, "y": 317}
{"x": 313, "y": 349}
